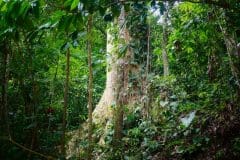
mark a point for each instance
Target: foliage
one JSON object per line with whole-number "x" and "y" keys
{"x": 202, "y": 88}
{"x": 36, "y": 71}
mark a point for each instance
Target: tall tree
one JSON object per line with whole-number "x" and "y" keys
{"x": 65, "y": 103}
{"x": 90, "y": 86}
{"x": 165, "y": 41}
{"x": 4, "y": 84}
{"x": 126, "y": 58}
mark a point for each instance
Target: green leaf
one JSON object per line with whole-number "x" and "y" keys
{"x": 45, "y": 26}
{"x": 3, "y": 6}
{"x": 32, "y": 35}
{"x": 123, "y": 50}
{"x": 32, "y": 125}
{"x": 13, "y": 9}
{"x": 189, "y": 49}
{"x": 74, "y": 4}
{"x": 74, "y": 35}
{"x": 67, "y": 3}
{"x": 65, "y": 22}
{"x": 24, "y": 9}
{"x": 77, "y": 21}
{"x": 6, "y": 31}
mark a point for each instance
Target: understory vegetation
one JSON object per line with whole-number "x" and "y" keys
{"x": 120, "y": 80}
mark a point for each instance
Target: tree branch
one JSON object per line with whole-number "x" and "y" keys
{"x": 27, "y": 149}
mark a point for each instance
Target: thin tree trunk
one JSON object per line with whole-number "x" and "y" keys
{"x": 90, "y": 87}
{"x": 66, "y": 87}
{"x": 52, "y": 92}
{"x": 146, "y": 88}
{"x": 51, "y": 95}
{"x": 34, "y": 140}
{"x": 4, "y": 109}
{"x": 164, "y": 46}
{"x": 32, "y": 102}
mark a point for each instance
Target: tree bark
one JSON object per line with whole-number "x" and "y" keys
{"x": 164, "y": 46}
{"x": 234, "y": 58}
{"x": 125, "y": 83}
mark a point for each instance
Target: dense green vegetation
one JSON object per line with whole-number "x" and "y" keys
{"x": 175, "y": 67}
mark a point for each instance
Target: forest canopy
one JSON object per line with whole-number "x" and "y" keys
{"x": 120, "y": 79}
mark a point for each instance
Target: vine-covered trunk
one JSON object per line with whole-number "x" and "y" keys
{"x": 125, "y": 79}
{"x": 234, "y": 58}
{"x": 233, "y": 49}
{"x": 117, "y": 74}
{"x": 126, "y": 68}
{"x": 115, "y": 95}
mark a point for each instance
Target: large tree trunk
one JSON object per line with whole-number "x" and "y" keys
{"x": 115, "y": 95}
{"x": 126, "y": 74}
{"x": 120, "y": 89}
{"x": 126, "y": 65}
{"x": 117, "y": 72}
